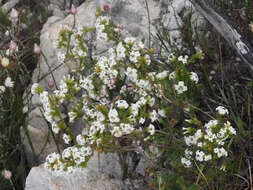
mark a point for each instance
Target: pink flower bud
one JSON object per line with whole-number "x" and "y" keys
{"x": 120, "y": 27}
{"x": 251, "y": 27}
{"x": 14, "y": 15}
{"x": 106, "y": 8}
{"x": 13, "y": 46}
{"x": 6, "y": 174}
{"x": 36, "y": 49}
{"x": 73, "y": 10}
{"x": 112, "y": 82}
{"x": 50, "y": 84}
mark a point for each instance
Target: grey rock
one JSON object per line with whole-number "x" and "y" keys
{"x": 176, "y": 11}
{"x": 41, "y": 179}
{"x": 86, "y": 179}
{"x": 9, "y": 5}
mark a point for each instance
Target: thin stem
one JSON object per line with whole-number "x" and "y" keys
{"x": 149, "y": 33}
{"x": 12, "y": 185}
{"x": 49, "y": 68}
{"x": 204, "y": 177}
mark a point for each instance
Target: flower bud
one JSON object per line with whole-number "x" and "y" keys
{"x": 73, "y": 10}
{"x": 7, "y": 33}
{"x": 13, "y": 46}
{"x": 36, "y": 49}
{"x": 106, "y": 8}
{"x": 5, "y": 62}
{"x": 50, "y": 84}
{"x": 14, "y": 15}
{"x": 251, "y": 27}
{"x": 6, "y": 174}
{"x": 7, "y": 52}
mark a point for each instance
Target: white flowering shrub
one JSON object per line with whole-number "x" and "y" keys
{"x": 208, "y": 143}
{"x": 130, "y": 101}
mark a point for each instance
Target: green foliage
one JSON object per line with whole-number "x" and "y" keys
{"x": 4, "y": 20}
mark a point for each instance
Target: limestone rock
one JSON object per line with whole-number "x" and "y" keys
{"x": 173, "y": 17}
{"x": 41, "y": 179}
{"x": 85, "y": 179}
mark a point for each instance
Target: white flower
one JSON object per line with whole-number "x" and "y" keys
{"x": 117, "y": 132}
{"x": 100, "y": 116}
{"x": 172, "y": 75}
{"x": 72, "y": 116}
{"x": 127, "y": 128}
{"x": 55, "y": 128}
{"x": 147, "y": 58}
{"x": 208, "y": 157}
{"x": 134, "y": 56}
{"x": 186, "y": 162}
{"x": 200, "y": 144}
{"x": 142, "y": 101}
{"x": 200, "y": 155}
{"x": 180, "y": 87}
{"x": 153, "y": 116}
{"x": 161, "y": 113}
{"x": 121, "y": 51}
{"x": 8, "y": 82}
{"x": 194, "y": 77}
{"x": 2, "y": 89}
{"x": 7, "y": 174}
{"x": 7, "y": 33}
{"x": 211, "y": 124}
{"x": 14, "y": 15}
{"x": 220, "y": 152}
{"x": 230, "y": 128}
{"x": 129, "y": 40}
{"x": 34, "y": 89}
{"x": 131, "y": 74}
{"x": 222, "y": 110}
{"x": 121, "y": 104}
{"x": 13, "y": 46}
{"x": 36, "y": 49}
{"x": 134, "y": 109}
{"x": 7, "y": 52}
{"x": 190, "y": 140}
{"x": 151, "y": 129}
{"x": 51, "y": 158}
{"x": 25, "y": 109}
{"x": 66, "y": 138}
{"x": 142, "y": 120}
{"x": 223, "y": 168}
{"x": 188, "y": 153}
{"x": 67, "y": 152}
{"x": 183, "y": 59}
{"x": 152, "y": 101}
{"x": 113, "y": 115}
{"x": 162, "y": 75}
{"x": 171, "y": 56}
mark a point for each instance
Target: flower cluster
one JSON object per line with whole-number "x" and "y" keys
{"x": 72, "y": 158}
{"x": 8, "y": 83}
{"x": 123, "y": 94}
{"x": 209, "y": 142}
{"x": 101, "y": 23}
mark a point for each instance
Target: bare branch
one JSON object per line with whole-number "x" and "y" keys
{"x": 229, "y": 33}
